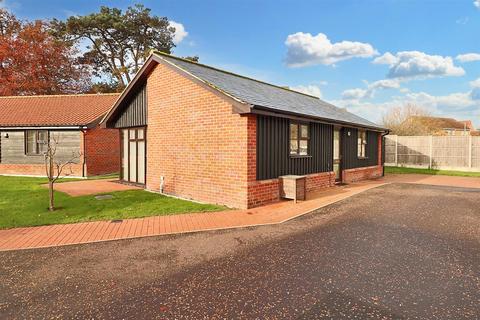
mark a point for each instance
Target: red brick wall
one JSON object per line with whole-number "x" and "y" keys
{"x": 320, "y": 181}
{"x": 102, "y": 151}
{"x": 267, "y": 191}
{"x": 263, "y": 192}
{"x": 195, "y": 141}
{"x": 36, "y": 169}
{"x": 358, "y": 174}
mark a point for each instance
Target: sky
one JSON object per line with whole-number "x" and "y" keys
{"x": 366, "y": 56}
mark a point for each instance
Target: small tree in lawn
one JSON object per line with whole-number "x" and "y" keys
{"x": 55, "y": 166}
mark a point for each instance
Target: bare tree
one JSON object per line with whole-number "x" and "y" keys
{"x": 56, "y": 167}
{"x": 408, "y": 120}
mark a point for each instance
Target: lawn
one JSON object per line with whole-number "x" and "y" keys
{"x": 24, "y": 202}
{"x": 431, "y": 171}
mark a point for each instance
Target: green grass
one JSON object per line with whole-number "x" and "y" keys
{"x": 401, "y": 170}
{"x": 24, "y": 202}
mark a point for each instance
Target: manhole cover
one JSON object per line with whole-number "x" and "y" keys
{"x": 116, "y": 221}
{"x": 104, "y": 196}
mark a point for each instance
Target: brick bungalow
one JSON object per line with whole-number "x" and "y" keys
{"x": 26, "y": 122}
{"x": 198, "y": 132}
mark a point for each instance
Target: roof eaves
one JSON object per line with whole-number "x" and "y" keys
{"x": 276, "y": 112}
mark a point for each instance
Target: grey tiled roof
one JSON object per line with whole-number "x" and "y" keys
{"x": 261, "y": 94}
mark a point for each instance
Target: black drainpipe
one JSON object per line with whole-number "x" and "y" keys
{"x": 386, "y": 133}
{"x": 84, "y": 153}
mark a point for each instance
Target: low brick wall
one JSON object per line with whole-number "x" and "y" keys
{"x": 267, "y": 191}
{"x": 358, "y": 174}
{"x": 36, "y": 169}
{"x": 263, "y": 192}
{"x": 318, "y": 181}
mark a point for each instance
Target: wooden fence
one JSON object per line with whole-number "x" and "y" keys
{"x": 436, "y": 152}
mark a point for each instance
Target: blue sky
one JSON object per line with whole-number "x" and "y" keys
{"x": 367, "y": 56}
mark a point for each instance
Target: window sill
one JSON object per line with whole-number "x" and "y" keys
{"x": 300, "y": 156}
{"x": 34, "y": 155}
{"x": 362, "y": 158}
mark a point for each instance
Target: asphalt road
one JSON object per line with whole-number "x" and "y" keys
{"x": 399, "y": 251}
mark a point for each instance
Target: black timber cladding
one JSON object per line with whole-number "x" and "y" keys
{"x": 135, "y": 112}
{"x": 350, "y": 158}
{"x": 273, "y": 154}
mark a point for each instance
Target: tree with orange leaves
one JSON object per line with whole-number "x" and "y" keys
{"x": 33, "y": 61}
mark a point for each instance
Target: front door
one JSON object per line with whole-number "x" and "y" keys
{"x": 133, "y": 155}
{"x": 337, "y": 155}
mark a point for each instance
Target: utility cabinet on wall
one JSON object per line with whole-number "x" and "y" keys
{"x": 293, "y": 187}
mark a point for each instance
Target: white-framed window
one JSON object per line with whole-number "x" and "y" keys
{"x": 299, "y": 136}
{"x": 362, "y": 144}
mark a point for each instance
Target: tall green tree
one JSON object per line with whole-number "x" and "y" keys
{"x": 118, "y": 42}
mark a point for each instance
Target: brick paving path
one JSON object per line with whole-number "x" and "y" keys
{"x": 85, "y": 232}
{"x": 88, "y": 187}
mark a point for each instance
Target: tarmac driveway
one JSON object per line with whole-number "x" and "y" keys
{"x": 398, "y": 251}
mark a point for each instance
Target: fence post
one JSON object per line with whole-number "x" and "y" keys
{"x": 431, "y": 153}
{"x": 469, "y": 151}
{"x": 396, "y": 151}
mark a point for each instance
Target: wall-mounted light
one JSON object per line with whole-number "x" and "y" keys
{"x": 349, "y": 133}
{"x": 6, "y": 135}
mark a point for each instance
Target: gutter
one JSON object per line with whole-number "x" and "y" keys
{"x": 298, "y": 116}
{"x": 44, "y": 128}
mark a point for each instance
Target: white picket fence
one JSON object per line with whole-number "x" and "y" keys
{"x": 436, "y": 152}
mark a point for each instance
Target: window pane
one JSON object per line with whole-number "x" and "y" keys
{"x": 133, "y": 162}
{"x": 42, "y": 136}
{"x": 132, "y": 134}
{"x": 31, "y": 142}
{"x": 125, "y": 155}
{"x": 294, "y": 146}
{"x": 141, "y": 162}
{"x": 293, "y": 131}
{"x": 42, "y": 141}
{"x": 140, "y": 134}
{"x": 42, "y": 148}
{"x": 336, "y": 144}
{"x": 304, "y": 131}
{"x": 304, "y": 147}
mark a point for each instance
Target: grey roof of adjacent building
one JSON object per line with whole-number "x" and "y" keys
{"x": 264, "y": 95}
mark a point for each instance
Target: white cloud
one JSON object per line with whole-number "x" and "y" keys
{"x": 304, "y": 49}
{"x": 180, "y": 32}
{"x": 458, "y": 100}
{"x": 369, "y": 92}
{"x": 386, "y": 58}
{"x": 463, "y": 21}
{"x": 385, "y": 84}
{"x": 475, "y": 94}
{"x": 311, "y": 89}
{"x": 468, "y": 57}
{"x": 475, "y": 83}
{"x": 354, "y": 94}
{"x": 476, "y": 3}
{"x": 459, "y": 105}
{"x": 407, "y": 65}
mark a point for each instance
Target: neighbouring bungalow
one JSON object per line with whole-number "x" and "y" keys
{"x": 27, "y": 122}
{"x": 438, "y": 126}
{"x": 197, "y": 132}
